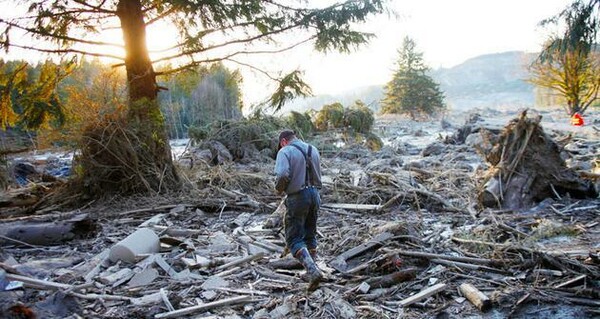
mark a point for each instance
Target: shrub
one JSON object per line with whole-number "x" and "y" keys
{"x": 331, "y": 115}
{"x": 359, "y": 118}
{"x": 301, "y": 123}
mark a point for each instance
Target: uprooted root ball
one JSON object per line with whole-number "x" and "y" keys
{"x": 120, "y": 158}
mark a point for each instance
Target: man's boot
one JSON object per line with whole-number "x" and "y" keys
{"x": 313, "y": 254}
{"x": 314, "y": 274}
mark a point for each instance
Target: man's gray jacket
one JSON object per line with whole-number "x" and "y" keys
{"x": 290, "y": 168}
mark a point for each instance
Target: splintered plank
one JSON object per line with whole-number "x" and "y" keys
{"x": 361, "y": 207}
{"x": 423, "y": 294}
{"x": 339, "y": 263}
{"x": 204, "y": 307}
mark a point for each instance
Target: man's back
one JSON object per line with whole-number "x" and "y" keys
{"x": 291, "y": 164}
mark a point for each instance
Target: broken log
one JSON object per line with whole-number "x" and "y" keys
{"x": 425, "y": 293}
{"x": 468, "y": 266}
{"x": 194, "y": 309}
{"x": 358, "y": 207}
{"x": 339, "y": 263}
{"x": 393, "y": 278}
{"x": 100, "y": 297}
{"x": 476, "y": 297}
{"x": 48, "y": 233}
{"x": 37, "y": 283}
{"x": 286, "y": 263}
{"x": 570, "y": 282}
{"x": 241, "y": 261}
{"x": 480, "y": 261}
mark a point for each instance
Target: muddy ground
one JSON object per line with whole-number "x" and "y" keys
{"x": 402, "y": 235}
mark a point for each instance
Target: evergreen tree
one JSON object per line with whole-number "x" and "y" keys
{"x": 209, "y": 31}
{"x": 569, "y": 64}
{"x": 411, "y": 91}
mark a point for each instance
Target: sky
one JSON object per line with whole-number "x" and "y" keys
{"x": 447, "y": 32}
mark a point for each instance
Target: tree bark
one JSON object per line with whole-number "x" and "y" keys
{"x": 144, "y": 118}
{"x": 141, "y": 78}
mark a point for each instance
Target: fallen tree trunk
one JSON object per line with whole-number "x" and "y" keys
{"x": 46, "y": 233}
{"x": 393, "y": 278}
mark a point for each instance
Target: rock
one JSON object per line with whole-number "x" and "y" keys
{"x": 384, "y": 165}
{"x": 203, "y": 155}
{"x": 435, "y": 148}
{"x": 22, "y": 171}
{"x": 343, "y": 309}
{"x": 143, "y": 278}
{"x": 214, "y": 282}
{"x": 220, "y": 153}
{"x": 249, "y": 154}
{"x": 261, "y": 314}
{"x": 386, "y": 152}
{"x": 58, "y": 166}
{"x": 445, "y": 124}
{"x": 402, "y": 148}
{"x": 281, "y": 311}
{"x": 268, "y": 153}
{"x": 473, "y": 118}
{"x": 209, "y": 295}
{"x": 241, "y": 220}
{"x": 58, "y": 305}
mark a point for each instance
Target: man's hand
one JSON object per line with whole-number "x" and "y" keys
{"x": 281, "y": 184}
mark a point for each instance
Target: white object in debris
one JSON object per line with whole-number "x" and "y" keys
{"x": 142, "y": 241}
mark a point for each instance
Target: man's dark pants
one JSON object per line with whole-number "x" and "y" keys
{"x": 301, "y": 219}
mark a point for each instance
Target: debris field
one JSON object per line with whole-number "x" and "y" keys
{"x": 409, "y": 231}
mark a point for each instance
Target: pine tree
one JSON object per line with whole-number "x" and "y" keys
{"x": 411, "y": 91}
{"x": 209, "y": 31}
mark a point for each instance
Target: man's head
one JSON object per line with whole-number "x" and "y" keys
{"x": 285, "y": 137}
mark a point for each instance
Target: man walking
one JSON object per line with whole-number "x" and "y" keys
{"x": 298, "y": 171}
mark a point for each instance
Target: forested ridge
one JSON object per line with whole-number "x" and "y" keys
{"x": 192, "y": 98}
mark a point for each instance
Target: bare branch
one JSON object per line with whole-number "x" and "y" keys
{"x": 265, "y": 73}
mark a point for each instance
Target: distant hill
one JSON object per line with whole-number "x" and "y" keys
{"x": 491, "y": 80}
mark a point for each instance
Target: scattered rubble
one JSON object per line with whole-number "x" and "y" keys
{"x": 401, "y": 235}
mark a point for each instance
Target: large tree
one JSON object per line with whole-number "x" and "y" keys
{"x": 209, "y": 31}
{"x": 569, "y": 63}
{"x": 412, "y": 91}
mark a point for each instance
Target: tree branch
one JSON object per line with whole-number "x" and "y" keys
{"x": 237, "y": 41}
{"x": 97, "y": 8}
{"x": 59, "y": 37}
{"x": 63, "y": 51}
{"x": 160, "y": 16}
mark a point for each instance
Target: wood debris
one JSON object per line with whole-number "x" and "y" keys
{"x": 404, "y": 240}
